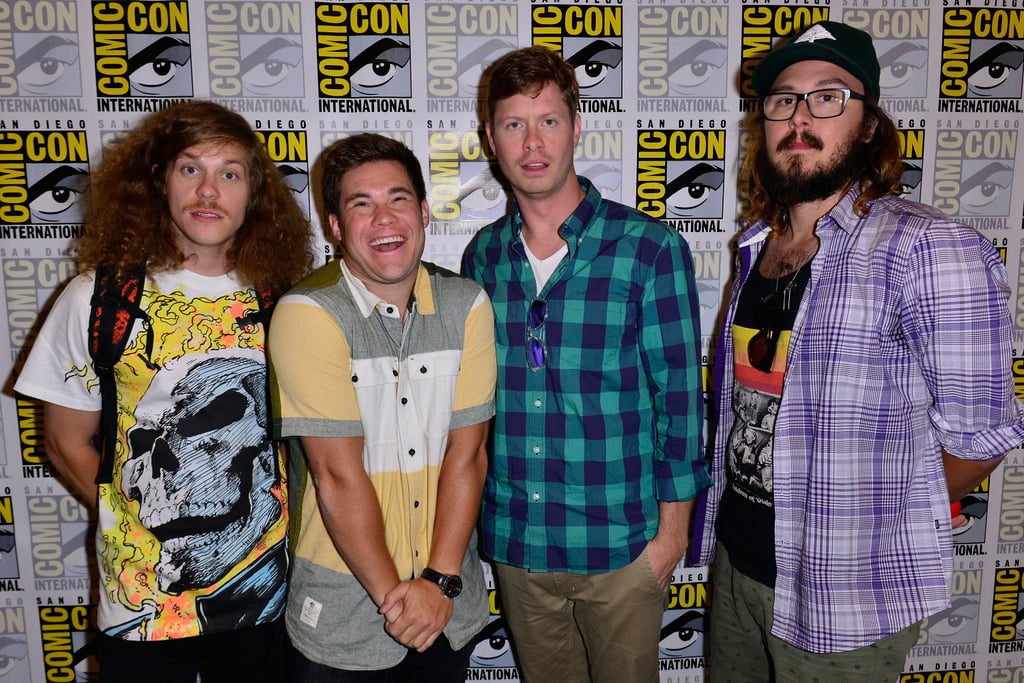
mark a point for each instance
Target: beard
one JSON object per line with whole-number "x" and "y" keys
{"x": 790, "y": 185}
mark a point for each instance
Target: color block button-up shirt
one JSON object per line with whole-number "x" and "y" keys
{"x": 901, "y": 347}
{"x": 586, "y": 446}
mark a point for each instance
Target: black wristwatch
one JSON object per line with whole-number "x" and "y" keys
{"x": 450, "y": 584}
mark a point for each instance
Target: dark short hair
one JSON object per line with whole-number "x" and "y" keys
{"x": 525, "y": 72}
{"x": 348, "y": 153}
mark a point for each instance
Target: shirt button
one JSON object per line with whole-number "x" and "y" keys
{"x": 404, "y": 401}
{"x": 536, "y": 496}
{"x": 536, "y": 404}
{"x": 415, "y": 503}
{"x": 390, "y": 310}
{"x": 412, "y": 451}
{"x": 536, "y": 449}
{"x": 423, "y": 370}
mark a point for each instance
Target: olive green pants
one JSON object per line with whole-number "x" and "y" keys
{"x": 741, "y": 648}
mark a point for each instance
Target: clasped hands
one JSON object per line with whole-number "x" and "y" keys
{"x": 416, "y": 613}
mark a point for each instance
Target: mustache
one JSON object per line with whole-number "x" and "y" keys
{"x": 809, "y": 139}
{"x": 206, "y": 206}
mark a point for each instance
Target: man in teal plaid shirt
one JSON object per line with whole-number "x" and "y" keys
{"x": 597, "y": 451}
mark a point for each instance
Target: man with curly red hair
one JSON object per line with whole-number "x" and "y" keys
{"x": 192, "y": 508}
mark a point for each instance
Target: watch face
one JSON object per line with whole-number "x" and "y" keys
{"x": 452, "y": 586}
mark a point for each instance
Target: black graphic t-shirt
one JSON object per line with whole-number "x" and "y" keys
{"x": 764, "y": 318}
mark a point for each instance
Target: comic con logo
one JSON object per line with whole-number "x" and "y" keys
{"x": 912, "y": 147}
{"x": 982, "y": 53}
{"x": 680, "y": 173}
{"x": 974, "y": 174}
{"x": 39, "y": 49}
{"x": 363, "y": 50}
{"x": 683, "y": 626}
{"x": 142, "y": 49}
{"x": 901, "y": 42}
{"x": 290, "y": 152}
{"x": 762, "y": 26}
{"x": 462, "y": 40}
{"x": 1007, "y": 623}
{"x": 254, "y": 49}
{"x": 492, "y": 647}
{"x": 1011, "y": 512}
{"x": 60, "y": 536}
{"x": 589, "y": 38}
{"x": 42, "y": 176}
{"x": 462, "y": 182}
{"x": 67, "y": 632}
{"x": 683, "y": 51}
{"x": 959, "y": 622}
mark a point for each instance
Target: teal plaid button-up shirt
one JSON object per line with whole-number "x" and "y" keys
{"x": 585, "y": 447}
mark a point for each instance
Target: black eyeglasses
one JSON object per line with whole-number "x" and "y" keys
{"x": 536, "y": 349}
{"x": 768, "y": 318}
{"x": 821, "y": 104}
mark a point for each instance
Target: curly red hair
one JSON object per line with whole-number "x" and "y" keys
{"x": 127, "y": 216}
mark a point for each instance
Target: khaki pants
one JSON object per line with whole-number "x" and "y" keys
{"x": 575, "y": 628}
{"x": 743, "y": 650}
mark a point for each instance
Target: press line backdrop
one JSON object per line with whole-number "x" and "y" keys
{"x": 666, "y": 94}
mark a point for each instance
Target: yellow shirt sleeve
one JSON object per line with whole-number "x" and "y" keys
{"x": 311, "y": 366}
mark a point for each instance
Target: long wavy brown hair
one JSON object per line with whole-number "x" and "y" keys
{"x": 128, "y": 218}
{"x": 881, "y": 176}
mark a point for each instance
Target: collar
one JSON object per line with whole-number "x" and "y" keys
{"x": 579, "y": 222}
{"x": 841, "y": 216}
{"x": 368, "y": 302}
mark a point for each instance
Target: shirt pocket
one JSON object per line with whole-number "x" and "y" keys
{"x": 593, "y": 336}
{"x": 433, "y": 377}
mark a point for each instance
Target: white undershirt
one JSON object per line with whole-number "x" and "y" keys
{"x": 543, "y": 268}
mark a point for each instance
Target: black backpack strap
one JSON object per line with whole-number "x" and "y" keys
{"x": 267, "y": 299}
{"x": 115, "y": 307}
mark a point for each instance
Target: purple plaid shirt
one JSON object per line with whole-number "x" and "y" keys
{"x": 901, "y": 347}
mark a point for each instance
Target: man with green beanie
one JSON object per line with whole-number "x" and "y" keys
{"x": 862, "y": 382}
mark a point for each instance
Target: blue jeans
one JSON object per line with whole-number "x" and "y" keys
{"x": 439, "y": 664}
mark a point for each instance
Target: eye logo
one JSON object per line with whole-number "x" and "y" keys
{"x": 47, "y": 68}
{"x": 481, "y": 196}
{"x": 380, "y": 67}
{"x": 471, "y": 66}
{"x": 692, "y": 189}
{"x": 607, "y": 178}
{"x": 996, "y": 72}
{"x": 597, "y": 65}
{"x": 54, "y": 197}
{"x": 493, "y": 648}
{"x": 904, "y": 68}
{"x": 682, "y": 635}
{"x": 268, "y": 69}
{"x": 157, "y": 66}
{"x": 985, "y": 192}
{"x": 696, "y": 70}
